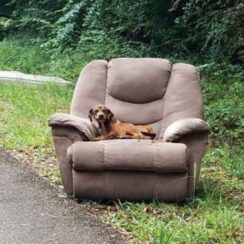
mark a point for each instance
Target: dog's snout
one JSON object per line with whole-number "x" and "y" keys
{"x": 100, "y": 115}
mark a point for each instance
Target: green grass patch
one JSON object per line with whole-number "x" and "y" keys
{"x": 231, "y": 158}
{"x": 214, "y": 215}
{"x": 174, "y": 224}
{"x": 24, "y": 113}
{"x": 30, "y": 57}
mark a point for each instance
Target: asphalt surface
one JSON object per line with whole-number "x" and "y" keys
{"x": 31, "y": 212}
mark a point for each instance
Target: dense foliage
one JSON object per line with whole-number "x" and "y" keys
{"x": 208, "y": 29}
{"x": 59, "y": 37}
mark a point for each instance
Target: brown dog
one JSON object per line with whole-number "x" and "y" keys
{"x": 111, "y": 128}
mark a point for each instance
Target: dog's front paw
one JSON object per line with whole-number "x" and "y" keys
{"x": 98, "y": 138}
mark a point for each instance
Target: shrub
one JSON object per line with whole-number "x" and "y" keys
{"x": 203, "y": 30}
{"x": 223, "y": 93}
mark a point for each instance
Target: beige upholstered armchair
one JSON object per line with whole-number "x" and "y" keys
{"x": 141, "y": 91}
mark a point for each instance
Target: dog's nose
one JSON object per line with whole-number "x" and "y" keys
{"x": 100, "y": 116}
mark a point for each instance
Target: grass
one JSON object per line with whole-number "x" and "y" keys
{"x": 30, "y": 57}
{"x": 24, "y": 113}
{"x": 214, "y": 215}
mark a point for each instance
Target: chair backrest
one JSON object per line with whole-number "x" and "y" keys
{"x": 140, "y": 90}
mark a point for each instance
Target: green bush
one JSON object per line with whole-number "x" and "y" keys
{"x": 216, "y": 28}
{"x": 35, "y": 56}
{"x": 197, "y": 29}
{"x": 223, "y": 93}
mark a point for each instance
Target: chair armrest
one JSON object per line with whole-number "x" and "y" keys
{"x": 194, "y": 133}
{"x": 196, "y": 146}
{"x": 182, "y": 127}
{"x": 71, "y": 123}
{"x": 63, "y": 137}
{"x": 66, "y": 130}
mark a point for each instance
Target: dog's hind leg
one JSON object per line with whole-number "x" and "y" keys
{"x": 108, "y": 136}
{"x": 149, "y": 135}
{"x": 125, "y": 137}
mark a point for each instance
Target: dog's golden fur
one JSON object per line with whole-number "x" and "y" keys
{"x": 112, "y": 128}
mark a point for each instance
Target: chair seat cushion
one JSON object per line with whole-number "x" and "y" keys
{"x": 128, "y": 155}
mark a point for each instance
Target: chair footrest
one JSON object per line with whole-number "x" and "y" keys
{"x": 130, "y": 186}
{"x": 129, "y": 155}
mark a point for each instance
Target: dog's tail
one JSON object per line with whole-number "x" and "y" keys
{"x": 150, "y": 134}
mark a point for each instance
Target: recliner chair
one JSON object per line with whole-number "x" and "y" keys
{"x": 141, "y": 91}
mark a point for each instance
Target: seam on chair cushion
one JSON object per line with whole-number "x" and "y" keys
{"x": 105, "y": 184}
{"x": 70, "y": 154}
{"x": 129, "y": 109}
{"x": 160, "y": 99}
{"x": 104, "y": 172}
{"x": 155, "y": 182}
{"x": 186, "y": 156}
{"x": 104, "y": 156}
{"x": 105, "y": 97}
{"x": 154, "y": 177}
{"x": 156, "y": 163}
{"x": 159, "y": 133}
{"x": 142, "y": 103}
{"x": 152, "y": 163}
{"x": 154, "y": 152}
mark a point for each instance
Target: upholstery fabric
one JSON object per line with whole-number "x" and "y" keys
{"x": 130, "y": 185}
{"x": 63, "y": 137}
{"x": 146, "y": 113}
{"x": 183, "y": 97}
{"x": 90, "y": 89}
{"x": 103, "y": 82}
{"x": 146, "y": 77}
{"x": 128, "y": 155}
{"x": 69, "y": 120}
{"x": 141, "y": 91}
{"x": 183, "y": 127}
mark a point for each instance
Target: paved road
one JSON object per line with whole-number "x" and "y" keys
{"x": 31, "y": 211}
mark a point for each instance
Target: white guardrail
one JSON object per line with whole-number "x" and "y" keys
{"x": 18, "y": 77}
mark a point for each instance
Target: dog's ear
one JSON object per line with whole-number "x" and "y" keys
{"x": 110, "y": 115}
{"x": 90, "y": 114}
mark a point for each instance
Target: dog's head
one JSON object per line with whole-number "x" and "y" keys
{"x": 101, "y": 114}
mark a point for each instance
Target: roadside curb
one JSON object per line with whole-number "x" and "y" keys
{"x": 15, "y": 77}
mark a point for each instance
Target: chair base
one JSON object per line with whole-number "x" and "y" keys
{"x": 124, "y": 185}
